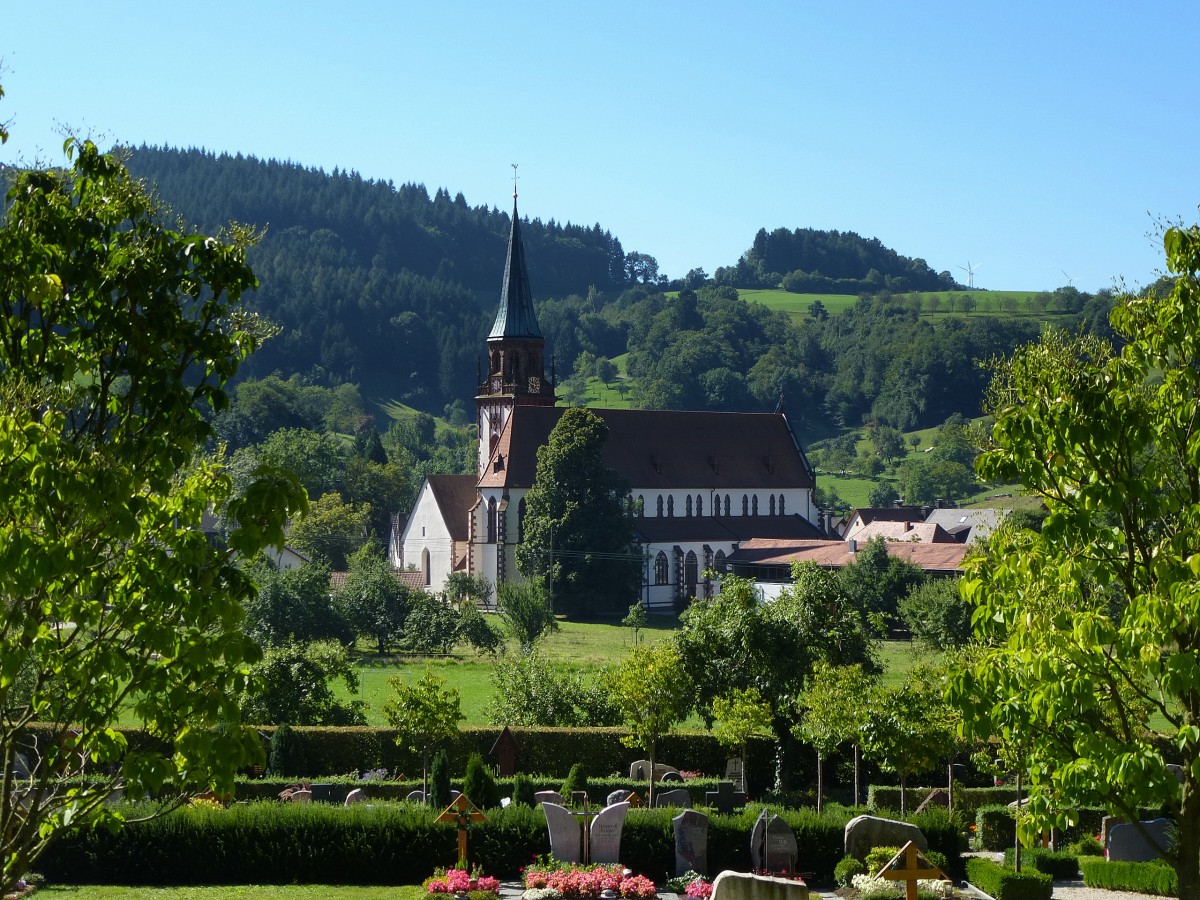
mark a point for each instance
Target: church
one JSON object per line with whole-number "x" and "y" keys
{"x": 703, "y": 483}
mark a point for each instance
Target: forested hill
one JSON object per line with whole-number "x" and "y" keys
{"x": 372, "y": 283}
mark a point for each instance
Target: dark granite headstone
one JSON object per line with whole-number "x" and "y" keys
{"x": 691, "y": 842}
{"x": 1127, "y": 844}
{"x": 779, "y": 848}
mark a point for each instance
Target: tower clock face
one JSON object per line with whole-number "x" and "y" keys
{"x": 496, "y": 385}
{"x": 535, "y": 384}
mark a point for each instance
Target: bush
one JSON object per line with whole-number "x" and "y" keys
{"x": 479, "y": 785}
{"x": 1002, "y": 883}
{"x": 1144, "y": 878}
{"x": 847, "y": 869}
{"x": 1087, "y": 846}
{"x": 878, "y": 857}
{"x": 522, "y": 790}
{"x": 1059, "y": 865}
{"x": 286, "y": 756}
{"x": 577, "y": 780}
{"x": 439, "y": 780}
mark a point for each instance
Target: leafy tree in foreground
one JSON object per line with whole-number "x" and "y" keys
{"x": 117, "y": 334}
{"x": 651, "y": 689}
{"x": 740, "y": 716}
{"x": 577, "y": 528}
{"x": 525, "y": 611}
{"x": 424, "y": 714}
{"x": 834, "y": 707}
{"x": 1093, "y": 625}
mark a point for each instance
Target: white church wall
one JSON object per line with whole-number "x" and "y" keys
{"x": 426, "y": 542}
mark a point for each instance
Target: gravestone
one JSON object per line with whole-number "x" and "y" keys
{"x": 505, "y": 750}
{"x": 416, "y": 796}
{"x": 358, "y": 795}
{"x": 604, "y": 845}
{"x": 617, "y": 797}
{"x": 669, "y": 777}
{"x": 779, "y": 847}
{"x": 865, "y": 832}
{"x": 549, "y": 797}
{"x": 20, "y": 766}
{"x": 1177, "y": 771}
{"x": 579, "y": 799}
{"x": 758, "y": 835}
{"x": 745, "y": 886}
{"x": 329, "y": 793}
{"x": 639, "y": 770}
{"x": 300, "y": 796}
{"x": 677, "y": 797}
{"x": 1127, "y": 844}
{"x": 735, "y": 771}
{"x": 564, "y": 833}
{"x": 691, "y": 842}
{"x": 725, "y": 798}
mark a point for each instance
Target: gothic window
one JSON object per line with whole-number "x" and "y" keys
{"x": 699, "y": 505}
{"x": 425, "y": 568}
{"x": 670, "y": 507}
{"x": 521, "y": 521}
{"x": 745, "y": 505}
{"x": 691, "y": 572}
{"x": 660, "y": 568}
{"x": 772, "y": 504}
{"x": 754, "y": 505}
{"x": 641, "y": 506}
{"x": 727, "y": 504}
{"x": 719, "y": 562}
{"x": 688, "y": 506}
{"x": 660, "y": 506}
{"x": 781, "y": 504}
{"x": 491, "y": 521}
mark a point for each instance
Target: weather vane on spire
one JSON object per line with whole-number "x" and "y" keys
{"x": 514, "y": 165}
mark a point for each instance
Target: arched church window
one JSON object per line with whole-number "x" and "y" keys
{"x": 640, "y": 511}
{"x": 745, "y": 505}
{"x": 727, "y": 505}
{"x": 521, "y": 521}
{"x": 754, "y": 505}
{"x": 719, "y": 563}
{"x": 772, "y": 504}
{"x": 688, "y": 506}
{"x": 425, "y": 567}
{"x": 491, "y": 521}
{"x": 661, "y": 570}
{"x": 670, "y": 507}
{"x": 660, "y": 506}
{"x": 691, "y": 572}
{"x": 699, "y": 505}
{"x": 781, "y": 504}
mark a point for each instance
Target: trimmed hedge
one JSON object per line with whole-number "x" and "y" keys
{"x": 1058, "y": 865}
{"x": 967, "y": 800}
{"x": 277, "y": 843}
{"x": 1003, "y": 883}
{"x": 996, "y": 827}
{"x": 1142, "y": 877}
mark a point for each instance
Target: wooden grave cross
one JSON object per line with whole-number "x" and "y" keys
{"x": 461, "y": 812}
{"x": 914, "y": 869}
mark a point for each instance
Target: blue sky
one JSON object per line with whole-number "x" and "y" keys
{"x": 1028, "y": 138}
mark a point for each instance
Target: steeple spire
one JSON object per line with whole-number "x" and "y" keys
{"x": 515, "y": 318}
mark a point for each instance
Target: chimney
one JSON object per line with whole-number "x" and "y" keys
{"x": 852, "y": 545}
{"x": 908, "y": 526}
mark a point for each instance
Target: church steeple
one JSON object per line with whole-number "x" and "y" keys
{"x": 516, "y": 350}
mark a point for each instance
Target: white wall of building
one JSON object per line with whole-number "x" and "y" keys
{"x": 426, "y": 542}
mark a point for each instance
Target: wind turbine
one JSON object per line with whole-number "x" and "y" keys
{"x": 1070, "y": 280}
{"x": 970, "y": 270}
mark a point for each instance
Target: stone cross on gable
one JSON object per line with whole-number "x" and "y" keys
{"x": 462, "y": 812}
{"x": 914, "y": 869}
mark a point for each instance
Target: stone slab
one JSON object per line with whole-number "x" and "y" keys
{"x": 744, "y": 886}
{"x": 865, "y": 832}
{"x": 691, "y": 842}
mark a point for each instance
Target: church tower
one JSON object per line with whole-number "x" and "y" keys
{"x": 516, "y": 365}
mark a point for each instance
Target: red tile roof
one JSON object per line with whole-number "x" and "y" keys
{"x": 409, "y": 577}
{"x": 836, "y": 554}
{"x": 665, "y": 449}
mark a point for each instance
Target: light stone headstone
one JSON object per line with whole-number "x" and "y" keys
{"x": 735, "y": 772}
{"x": 691, "y": 842}
{"x": 617, "y": 797}
{"x": 604, "y": 844}
{"x": 866, "y": 832}
{"x": 549, "y": 797}
{"x": 358, "y": 795}
{"x": 676, "y": 797}
{"x": 780, "y": 848}
{"x": 1127, "y": 844}
{"x": 746, "y": 886}
{"x": 564, "y": 833}
{"x": 639, "y": 770}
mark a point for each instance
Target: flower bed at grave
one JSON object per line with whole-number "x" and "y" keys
{"x": 572, "y": 881}
{"x": 455, "y": 881}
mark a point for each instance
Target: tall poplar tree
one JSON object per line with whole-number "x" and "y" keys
{"x": 578, "y": 531}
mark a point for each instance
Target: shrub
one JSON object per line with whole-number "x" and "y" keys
{"x": 286, "y": 756}
{"x": 576, "y": 781}
{"x": 1002, "y": 883}
{"x": 1058, "y": 865}
{"x": 439, "y": 780}
{"x": 1144, "y": 878}
{"x": 1086, "y": 846}
{"x": 522, "y": 790}
{"x": 479, "y": 785}
{"x": 878, "y": 857}
{"x": 847, "y": 869}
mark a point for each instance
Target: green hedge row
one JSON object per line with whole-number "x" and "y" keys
{"x": 967, "y": 800}
{"x": 996, "y": 826}
{"x": 1144, "y": 878}
{"x": 277, "y": 843}
{"x": 1002, "y": 883}
{"x": 1058, "y": 865}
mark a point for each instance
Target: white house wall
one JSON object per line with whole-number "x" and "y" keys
{"x": 427, "y": 533}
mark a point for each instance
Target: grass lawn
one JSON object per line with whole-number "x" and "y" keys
{"x": 233, "y": 892}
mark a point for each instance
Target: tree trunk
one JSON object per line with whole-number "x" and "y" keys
{"x": 950, "y": 787}
{"x": 1017, "y": 830}
{"x": 903, "y": 785}
{"x": 425, "y": 775}
{"x": 820, "y": 780}
{"x": 857, "y": 773}
{"x": 650, "y": 793}
{"x": 1187, "y": 856}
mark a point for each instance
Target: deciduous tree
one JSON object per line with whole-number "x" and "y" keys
{"x": 424, "y": 714}
{"x": 1094, "y": 624}
{"x": 117, "y": 335}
